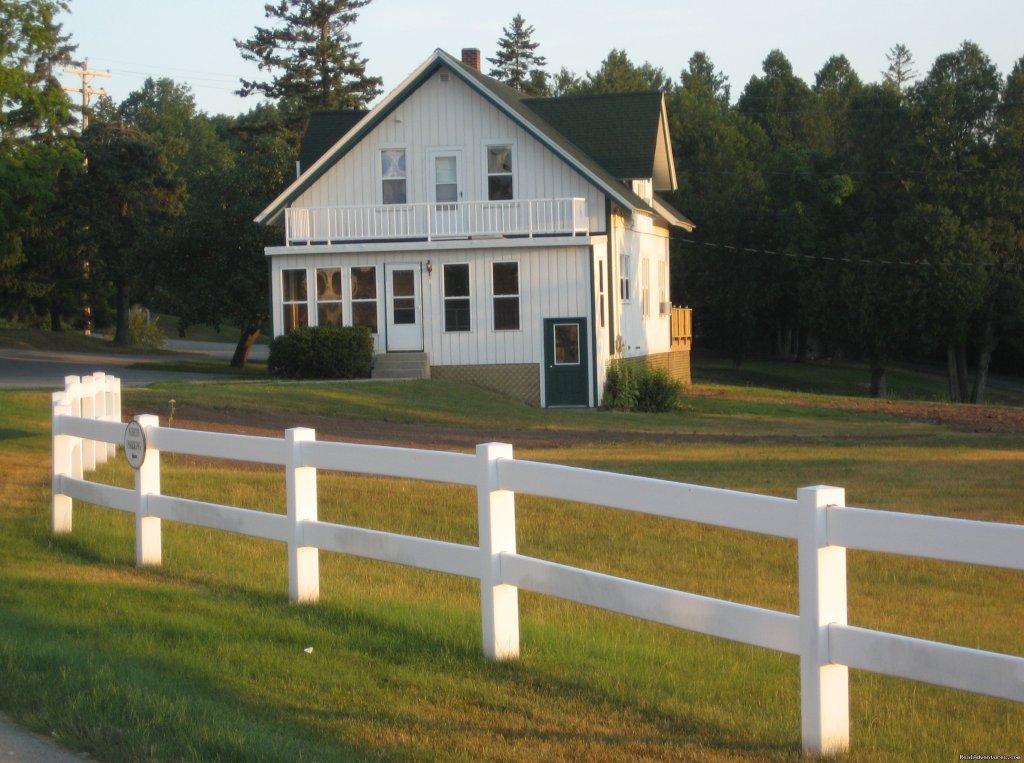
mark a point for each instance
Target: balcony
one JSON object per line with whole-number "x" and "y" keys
{"x": 682, "y": 328}
{"x": 432, "y": 222}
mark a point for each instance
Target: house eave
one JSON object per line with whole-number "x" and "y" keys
{"x": 461, "y": 244}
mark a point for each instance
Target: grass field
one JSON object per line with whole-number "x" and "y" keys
{"x": 204, "y": 659}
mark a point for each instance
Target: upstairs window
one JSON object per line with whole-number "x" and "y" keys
{"x": 456, "y": 298}
{"x": 505, "y": 281}
{"x": 662, "y": 279}
{"x": 293, "y": 299}
{"x": 393, "y": 175}
{"x": 624, "y": 265}
{"x": 499, "y": 173}
{"x": 645, "y": 287}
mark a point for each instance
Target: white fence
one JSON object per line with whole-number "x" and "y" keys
{"x": 818, "y": 520}
{"x": 464, "y": 219}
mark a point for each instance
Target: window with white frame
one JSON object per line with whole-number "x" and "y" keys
{"x": 456, "y": 297}
{"x": 328, "y": 297}
{"x": 393, "y": 175}
{"x": 600, "y": 292}
{"x": 364, "y": 297}
{"x": 499, "y": 173}
{"x": 294, "y": 299}
{"x": 624, "y": 265}
{"x": 662, "y": 284}
{"x": 645, "y": 287}
{"x": 505, "y": 285}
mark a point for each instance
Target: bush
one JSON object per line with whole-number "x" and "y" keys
{"x": 142, "y": 331}
{"x": 323, "y": 352}
{"x": 620, "y": 387}
{"x": 639, "y": 387}
{"x": 658, "y": 391}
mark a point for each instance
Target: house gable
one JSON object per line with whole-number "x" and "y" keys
{"x": 445, "y": 116}
{"x": 502, "y": 97}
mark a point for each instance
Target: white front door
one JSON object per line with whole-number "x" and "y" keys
{"x": 404, "y": 323}
{"x": 445, "y": 191}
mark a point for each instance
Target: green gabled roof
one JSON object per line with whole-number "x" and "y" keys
{"x": 505, "y": 98}
{"x": 618, "y": 130}
{"x": 673, "y": 215}
{"x": 536, "y": 123}
{"x": 325, "y": 128}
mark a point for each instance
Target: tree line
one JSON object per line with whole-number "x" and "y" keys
{"x": 841, "y": 218}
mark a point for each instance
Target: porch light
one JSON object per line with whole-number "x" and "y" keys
{"x": 430, "y": 267}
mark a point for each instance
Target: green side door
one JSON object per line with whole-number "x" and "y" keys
{"x": 565, "y": 362}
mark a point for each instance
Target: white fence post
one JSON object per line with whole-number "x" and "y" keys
{"x": 63, "y": 448}
{"x": 72, "y": 396}
{"x": 148, "y": 549}
{"x": 300, "y": 484}
{"x": 113, "y": 407}
{"x": 88, "y": 411}
{"x": 824, "y": 687}
{"x": 496, "y": 510}
{"x": 101, "y": 412}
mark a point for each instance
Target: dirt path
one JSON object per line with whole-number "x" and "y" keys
{"x": 439, "y": 437}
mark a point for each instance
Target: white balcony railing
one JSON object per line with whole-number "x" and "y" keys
{"x": 465, "y": 219}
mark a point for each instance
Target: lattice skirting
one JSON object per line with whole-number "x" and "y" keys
{"x": 517, "y": 380}
{"x": 676, "y": 362}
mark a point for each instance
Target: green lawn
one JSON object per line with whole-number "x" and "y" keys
{"x": 841, "y": 378}
{"x": 204, "y": 659}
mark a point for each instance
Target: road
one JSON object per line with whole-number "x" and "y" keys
{"x": 44, "y": 369}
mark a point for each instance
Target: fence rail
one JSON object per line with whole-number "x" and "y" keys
{"x": 463, "y": 219}
{"x": 86, "y": 420}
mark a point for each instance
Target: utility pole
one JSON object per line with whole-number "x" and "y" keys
{"x": 86, "y": 90}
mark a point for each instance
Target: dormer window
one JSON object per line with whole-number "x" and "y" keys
{"x": 499, "y": 173}
{"x": 393, "y": 175}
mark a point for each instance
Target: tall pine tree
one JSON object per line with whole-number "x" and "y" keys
{"x": 312, "y": 58}
{"x": 516, "y": 62}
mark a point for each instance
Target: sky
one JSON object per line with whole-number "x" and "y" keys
{"x": 192, "y": 41}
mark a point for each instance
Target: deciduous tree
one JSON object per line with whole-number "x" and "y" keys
{"x": 130, "y": 196}
{"x": 35, "y": 117}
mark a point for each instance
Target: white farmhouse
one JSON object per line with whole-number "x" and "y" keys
{"x": 514, "y": 242}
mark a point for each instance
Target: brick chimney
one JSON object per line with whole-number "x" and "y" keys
{"x": 471, "y": 58}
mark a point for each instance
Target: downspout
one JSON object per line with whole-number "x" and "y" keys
{"x": 593, "y": 324}
{"x": 608, "y": 274}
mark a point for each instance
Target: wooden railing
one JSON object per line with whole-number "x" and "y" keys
{"x": 818, "y": 519}
{"x": 464, "y": 219}
{"x": 682, "y": 328}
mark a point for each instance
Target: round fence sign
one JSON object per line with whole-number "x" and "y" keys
{"x": 135, "y": 444}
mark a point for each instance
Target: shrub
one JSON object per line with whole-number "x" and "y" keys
{"x": 620, "y": 387}
{"x": 322, "y": 352}
{"x": 658, "y": 391}
{"x": 142, "y": 330}
{"x": 639, "y": 387}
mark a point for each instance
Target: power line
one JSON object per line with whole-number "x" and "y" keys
{"x": 823, "y": 258}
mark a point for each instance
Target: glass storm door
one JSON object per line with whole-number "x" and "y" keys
{"x": 404, "y": 324}
{"x": 566, "y": 370}
{"x": 446, "y": 192}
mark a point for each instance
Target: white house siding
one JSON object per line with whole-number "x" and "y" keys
{"x": 446, "y": 115}
{"x": 600, "y": 349}
{"x": 554, "y": 282}
{"x": 640, "y": 238}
